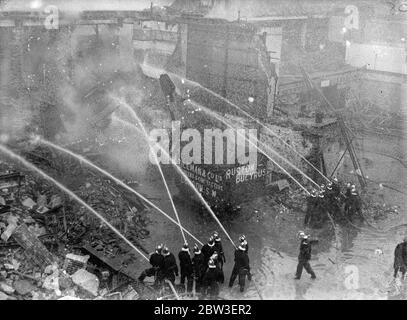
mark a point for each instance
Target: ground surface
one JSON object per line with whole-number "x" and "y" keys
{"x": 364, "y": 249}
{"x": 351, "y": 261}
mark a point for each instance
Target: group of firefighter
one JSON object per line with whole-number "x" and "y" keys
{"x": 205, "y": 267}
{"x": 330, "y": 199}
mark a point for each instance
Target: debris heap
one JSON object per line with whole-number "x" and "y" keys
{"x": 51, "y": 248}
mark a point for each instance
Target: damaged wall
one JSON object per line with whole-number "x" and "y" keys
{"x": 307, "y": 143}
{"x": 294, "y": 138}
{"x": 225, "y": 59}
{"x": 306, "y": 43}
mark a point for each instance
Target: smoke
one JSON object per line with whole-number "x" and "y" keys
{"x": 97, "y": 76}
{"x": 129, "y": 156}
{"x": 15, "y": 116}
{"x": 78, "y": 74}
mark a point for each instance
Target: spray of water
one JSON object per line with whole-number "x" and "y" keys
{"x": 33, "y": 168}
{"x": 267, "y": 128}
{"x": 118, "y": 181}
{"x": 269, "y": 131}
{"x": 136, "y": 117}
{"x": 192, "y": 186}
{"x": 222, "y": 119}
{"x": 153, "y": 71}
{"x": 215, "y": 115}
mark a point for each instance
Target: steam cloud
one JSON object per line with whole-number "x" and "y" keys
{"x": 75, "y": 66}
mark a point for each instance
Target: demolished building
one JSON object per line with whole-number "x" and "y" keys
{"x": 255, "y": 63}
{"x": 251, "y": 59}
{"x": 267, "y": 67}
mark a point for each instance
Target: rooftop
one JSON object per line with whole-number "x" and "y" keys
{"x": 252, "y": 9}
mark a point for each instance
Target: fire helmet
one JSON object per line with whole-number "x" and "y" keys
{"x": 196, "y": 249}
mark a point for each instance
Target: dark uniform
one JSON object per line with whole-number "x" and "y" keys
{"x": 400, "y": 259}
{"x": 211, "y": 280}
{"x": 216, "y": 260}
{"x": 347, "y": 199}
{"x": 348, "y": 190}
{"x": 219, "y": 250}
{"x": 336, "y": 189}
{"x": 332, "y": 201}
{"x": 185, "y": 264}
{"x": 246, "y": 246}
{"x": 241, "y": 268}
{"x": 320, "y": 210}
{"x": 311, "y": 205}
{"x": 243, "y": 242}
{"x": 304, "y": 257}
{"x": 170, "y": 269}
{"x": 199, "y": 268}
{"x": 356, "y": 204}
{"x": 208, "y": 250}
{"x": 157, "y": 263}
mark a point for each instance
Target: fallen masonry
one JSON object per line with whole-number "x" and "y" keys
{"x": 86, "y": 281}
{"x": 50, "y": 248}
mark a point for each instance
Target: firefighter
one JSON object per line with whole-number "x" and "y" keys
{"x": 241, "y": 267}
{"x": 198, "y": 264}
{"x": 356, "y": 203}
{"x": 320, "y": 210}
{"x": 331, "y": 200}
{"x": 170, "y": 268}
{"x": 328, "y": 187}
{"x": 219, "y": 249}
{"x": 216, "y": 259}
{"x": 311, "y": 204}
{"x": 211, "y": 280}
{"x": 157, "y": 265}
{"x": 336, "y": 189}
{"x": 349, "y": 187}
{"x": 400, "y": 259}
{"x": 185, "y": 264}
{"x": 347, "y": 198}
{"x": 305, "y": 256}
{"x": 208, "y": 250}
{"x": 243, "y": 242}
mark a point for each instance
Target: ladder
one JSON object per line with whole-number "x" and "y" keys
{"x": 343, "y": 128}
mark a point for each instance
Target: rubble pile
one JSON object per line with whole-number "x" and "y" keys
{"x": 365, "y": 115}
{"x": 380, "y": 211}
{"x": 43, "y": 233}
{"x": 127, "y": 219}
